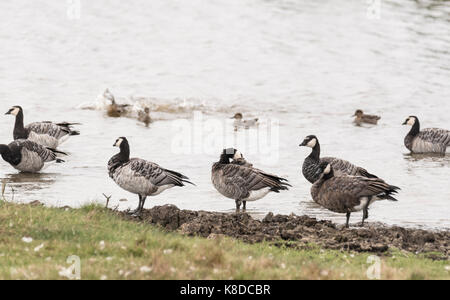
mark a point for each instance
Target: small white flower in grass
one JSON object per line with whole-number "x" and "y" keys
{"x": 145, "y": 269}
{"x": 250, "y": 257}
{"x": 38, "y": 248}
{"x": 11, "y": 224}
{"x": 324, "y": 273}
{"x": 283, "y": 266}
{"x": 102, "y": 245}
{"x": 352, "y": 255}
{"x": 447, "y": 268}
{"x": 120, "y": 272}
{"x": 215, "y": 271}
{"x": 103, "y": 277}
{"x": 48, "y": 258}
{"x": 167, "y": 251}
{"x": 27, "y": 240}
{"x": 173, "y": 270}
{"x": 109, "y": 258}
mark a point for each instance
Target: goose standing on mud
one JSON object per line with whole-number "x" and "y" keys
{"x": 243, "y": 183}
{"x": 429, "y": 140}
{"x": 361, "y": 117}
{"x": 47, "y": 134}
{"x": 141, "y": 177}
{"x": 311, "y": 165}
{"x": 347, "y": 194}
{"x": 27, "y": 156}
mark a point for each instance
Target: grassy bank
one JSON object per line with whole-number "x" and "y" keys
{"x": 36, "y": 241}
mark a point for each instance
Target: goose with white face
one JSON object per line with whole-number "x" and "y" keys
{"x": 410, "y": 121}
{"x": 118, "y": 142}
{"x": 13, "y": 111}
{"x": 310, "y": 141}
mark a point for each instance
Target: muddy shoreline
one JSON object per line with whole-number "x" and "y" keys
{"x": 297, "y": 231}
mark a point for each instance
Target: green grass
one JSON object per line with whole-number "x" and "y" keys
{"x": 112, "y": 248}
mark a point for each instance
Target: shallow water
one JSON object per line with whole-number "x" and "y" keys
{"x": 302, "y": 66}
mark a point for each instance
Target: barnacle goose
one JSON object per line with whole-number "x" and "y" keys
{"x": 311, "y": 165}
{"x": 243, "y": 183}
{"x": 240, "y": 122}
{"x": 429, "y": 140}
{"x": 347, "y": 194}
{"x": 27, "y": 156}
{"x": 361, "y": 117}
{"x": 47, "y": 134}
{"x": 139, "y": 176}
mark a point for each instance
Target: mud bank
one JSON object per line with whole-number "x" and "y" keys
{"x": 300, "y": 231}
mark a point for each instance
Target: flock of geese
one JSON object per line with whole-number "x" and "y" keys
{"x": 337, "y": 184}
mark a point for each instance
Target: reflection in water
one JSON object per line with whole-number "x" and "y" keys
{"x": 23, "y": 183}
{"x": 425, "y": 159}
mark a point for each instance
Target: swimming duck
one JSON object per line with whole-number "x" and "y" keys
{"x": 113, "y": 109}
{"x": 240, "y": 122}
{"x": 429, "y": 140}
{"x": 360, "y": 118}
{"x": 144, "y": 116}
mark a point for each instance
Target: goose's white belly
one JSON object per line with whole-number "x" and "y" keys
{"x": 31, "y": 162}
{"x": 256, "y": 195}
{"x": 129, "y": 181}
{"x": 363, "y": 203}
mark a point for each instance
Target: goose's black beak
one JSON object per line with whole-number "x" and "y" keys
{"x": 404, "y": 123}
{"x": 303, "y": 143}
{"x": 8, "y": 112}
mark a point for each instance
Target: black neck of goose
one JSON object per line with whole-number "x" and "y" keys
{"x": 124, "y": 154}
{"x": 315, "y": 153}
{"x": 19, "y": 129}
{"x": 415, "y": 129}
{"x": 224, "y": 159}
{"x": 5, "y": 152}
